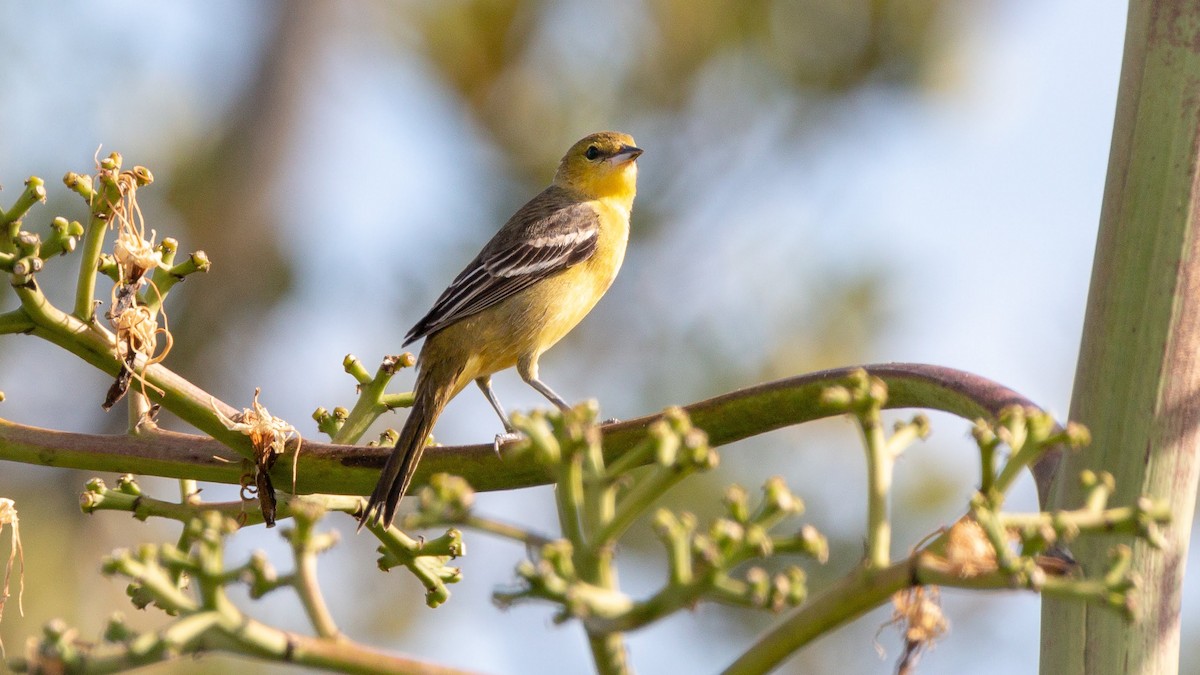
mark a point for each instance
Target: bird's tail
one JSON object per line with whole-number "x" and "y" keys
{"x": 433, "y": 391}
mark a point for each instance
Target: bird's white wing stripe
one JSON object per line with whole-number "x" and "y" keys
{"x": 567, "y": 235}
{"x": 462, "y": 292}
{"x": 531, "y": 257}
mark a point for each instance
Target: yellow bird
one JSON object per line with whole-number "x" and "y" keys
{"x": 529, "y": 286}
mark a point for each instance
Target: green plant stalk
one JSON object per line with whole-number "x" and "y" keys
{"x": 245, "y": 512}
{"x": 352, "y": 470}
{"x": 599, "y": 495}
{"x": 608, "y": 647}
{"x": 411, "y": 554}
{"x": 1012, "y": 469}
{"x": 138, "y": 409}
{"x": 640, "y": 454}
{"x": 880, "y": 462}
{"x": 15, "y": 321}
{"x": 188, "y": 490}
{"x": 210, "y": 631}
{"x": 95, "y": 345}
{"x": 1116, "y": 520}
{"x": 668, "y": 600}
{"x": 852, "y": 596}
{"x": 568, "y": 499}
{"x": 401, "y": 400}
{"x": 34, "y": 192}
{"x": 159, "y": 583}
{"x": 366, "y": 410}
{"x": 1139, "y": 361}
{"x": 504, "y": 530}
{"x": 372, "y": 401}
{"x": 308, "y": 587}
{"x": 646, "y": 489}
{"x": 609, "y": 653}
{"x": 105, "y": 195}
{"x": 864, "y": 589}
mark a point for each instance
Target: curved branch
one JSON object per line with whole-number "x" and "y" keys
{"x": 344, "y": 469}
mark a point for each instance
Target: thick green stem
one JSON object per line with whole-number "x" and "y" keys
{"x": 353, "y": 470}
{"x": 1138, "y": 373}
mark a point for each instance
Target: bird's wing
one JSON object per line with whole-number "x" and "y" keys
{"x": 552, "y": 232}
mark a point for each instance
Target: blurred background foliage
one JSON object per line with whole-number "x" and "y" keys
{"x": 826, "y": 182}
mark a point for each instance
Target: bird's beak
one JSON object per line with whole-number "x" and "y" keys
{"x": 627, "y": 153}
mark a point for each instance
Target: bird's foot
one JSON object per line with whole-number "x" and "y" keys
{"x": 611, "y": 420}
{"x": 504, "y": 438}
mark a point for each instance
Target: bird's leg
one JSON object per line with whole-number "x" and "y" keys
{"x": 485, "y": 385}
{"x": 528, "y": 369}
{"x": 528, "y": 373}
{"x": 510, "y": 434}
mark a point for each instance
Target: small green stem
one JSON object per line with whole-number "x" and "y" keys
{"x": 1117, "y": 520}
{"x": 102, "y": 200}
{"x": 569, "y": 500}
{"x": 880, "y": 462}
{"x": 188, "y": 490}
{"x": 372, "y": 401}
{"x": 139, "y": 412}
{"x": 505, "y": 530}
{"x": 600, "y": 499}
{"x": 646, "y": 489}
{"x": 34, "y": 192}
{"x": 640, "y": 454}
{"x": 307, "y": 585}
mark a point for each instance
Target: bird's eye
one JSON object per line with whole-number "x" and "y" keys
{"x": 592, "y": 152}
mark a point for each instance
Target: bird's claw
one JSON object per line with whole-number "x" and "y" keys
{"x": 611, "y": 420}
{"x": 504, "y": 438}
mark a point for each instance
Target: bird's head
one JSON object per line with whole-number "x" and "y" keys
{"x": 602, "y": 165}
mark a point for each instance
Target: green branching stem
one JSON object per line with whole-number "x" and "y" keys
{"x": 505, "y": 530}
{"x": 306, "y": 544}
{"x": 15, "y": 322}
{"x": 865, "y": 589}
{"x": 101, "y": 201}
{"x": 372, "y": 401}
{"x": 238, "y": 634}
{"x": 10, "y": 220}
{"x": 341, "y": 469}
{"x": 207, "y": 621}
{"x": 880, "y": 462}
{"x": 647, "y": 488}
{"x": 424, "y": 559}
{"x": 99, "y": 497}
{"x": 600, "y": 506}
{"x": 609, "y": 653}
{"x": 569, "y": 500}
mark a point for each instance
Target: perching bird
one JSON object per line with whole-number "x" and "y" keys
{"x": 529, "y": 286}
